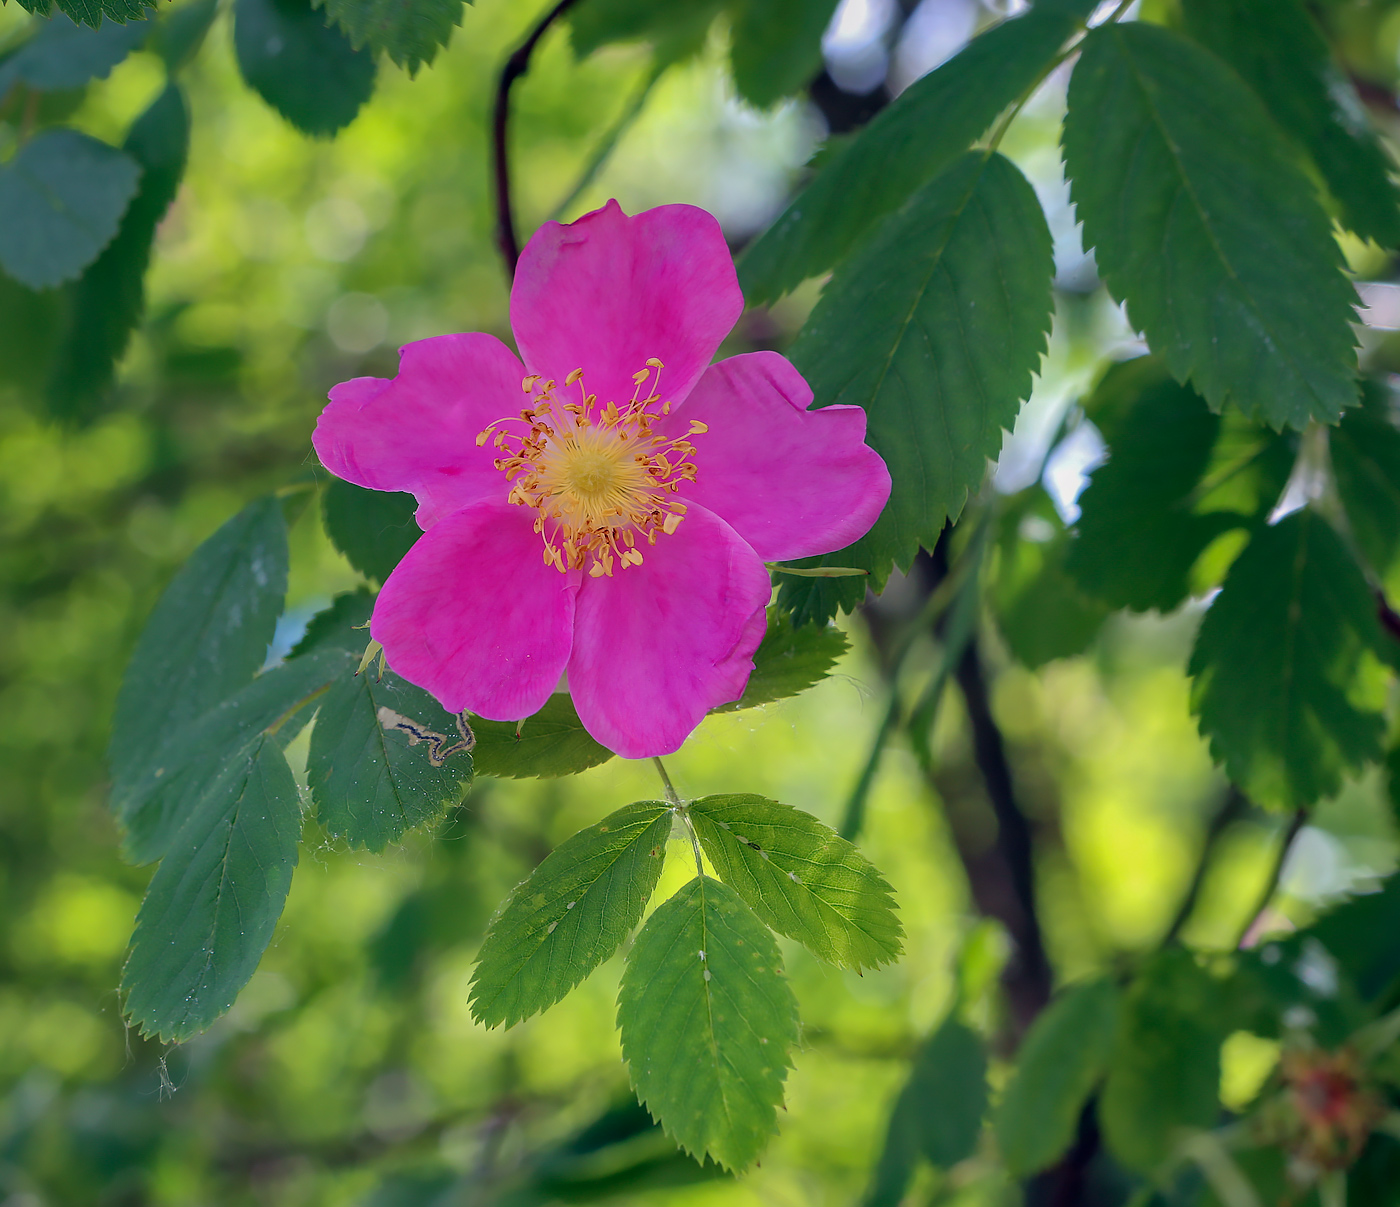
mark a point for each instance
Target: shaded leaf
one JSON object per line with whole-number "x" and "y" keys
{"x": 66, "y": 55}
{"x": 62, "y": 198}
{"x": 305, "y": 69}
{"x": 571, "y": 914}
{"x": 776, "y": 47}
{"x": 343, "y": 626}
{"x": 1206, "y": 227}
{"x": 215, "y": 899}
{"x": 1366, "y": 462}
{"x": 934, "y": 326}
{"x": 707, "y": 1021}
{"x": 180, "y": 32}
{"x": 551, "y": 743}
{"x": 1274, "y": 662}
{"x": 91, "y": 12}
{"x": 595, "y": 23}
{"x": 801, "y": 878}
{"x": 789, "y": 660}
{"x": 373, "y": 528}
{"x": 408, "y": 31}
{"x": 1363, "y": 936}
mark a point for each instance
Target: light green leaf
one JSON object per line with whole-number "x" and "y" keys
{"x": 707, "y": 1021}
{"x": 1275, "y": 659}
{"x": 776, "y": 47}
{"x": 1366, "y": 461}
{"x": 375, "y": 775}
{"x": 909, "y": 142}
{"x": 551, "y": 743}
{"x": 410, "y": 32}
{"x": 373, "y": 528}
{"x": 1203, "y": 223}
{"x": 801, "y": 877}
{"x": 62, "y": 198}
{"x": 571, "y": 914}
{"x": 789, "y": 660}
{"x": 934, "y": 326}
{"x": 215, "y": 899}
{"x": 1061, "y": 1060}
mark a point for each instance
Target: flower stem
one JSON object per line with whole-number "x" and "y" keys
{"x": 672, "y": 797}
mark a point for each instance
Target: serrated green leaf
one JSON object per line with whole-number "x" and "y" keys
{"x": 1205, "y": 226}
{"x": 108, "y": 300}
{"x": 373, "y": 528}
{"x": 789, "y": 660}
{"x": 595, "y": 23}
{"x": 410, "y": 32}
{"x": 305, "y": 69}
{"x": 909, "y": 142}
{"x": 776, "y": 47}
{"x": 1274, "y": 660}
{"x": 1061, "y": 1060}
{"x": 206, "y": 637}
{"x": 1282, "y": 55}
{"x": 91, "y": 12}
{"x": 343, "y": 626}
{"x": 551, "y": 743}
{"x": 801, "y": 878}
{"x": 215, "y": 899}
{"x": 1366, "y": 462}
{"x": 63, "y": 54}
{"x": 707, "y": 1021}
{"x": 62, "y": 198}
{"x": 934, "y": 326}
{"x": 571, "y": 914}
{"x": 371, "y": 781}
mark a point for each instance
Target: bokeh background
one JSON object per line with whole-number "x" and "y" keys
{"x": 350, "y": 1070}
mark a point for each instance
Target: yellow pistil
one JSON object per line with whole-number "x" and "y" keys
{"x": 601, "y": 480}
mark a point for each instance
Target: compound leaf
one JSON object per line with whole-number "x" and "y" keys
{"x": 373, "y": 528}
{"x": 571, "y": 914}
{"x": 707, "y": 1021}
{"x": 789, "y": 660}
{"x": 551, "y": 743}
{"x": 408, "y": 31}
{"x": 1206, "y": 227}
{"x": 801, "y": 878}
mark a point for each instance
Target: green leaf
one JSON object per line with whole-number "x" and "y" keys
{"x": 801, "y": 878}
{"x": 62, "y": 198}
{"x": 91, "y": 12}
{"x": 571, "y": 914}
{"x": 408, "y": 31}
{"x": 776, "y": 47}
{"x": 789, "y": 660}
{"x": 215, "y": 899}
{"x": 909, "y": 142}
{"x": 373, "y": 528}
{"x": 64, "y": 55}
{"x": 1363, "y": 935}
{"x": 372, "y": 777}
{"x": 207, "y": 636}
{"x": 107, "y": 302}
{"x": 1165, "y": 1072}
{"x": 1275, "y": 659}
{"x": 595, "y": 23}
{"x": 1206, "y": 227}
{"x": 343, "y": 626}
{"x": 938, "y": 1115}
{"x": 551, "y": 743}
{"x": 707, "y": 1021}
{"x": 934, "y": 327}
{"x": 1278, "y": 50}
{"x": 180, "y": 32}
{"x": 305, "y": 69}
{"x": 1065, "y": 1053}
{"x": 1366, "y": 462}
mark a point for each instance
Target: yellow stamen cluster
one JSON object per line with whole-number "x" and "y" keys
{"x": 601, "y": 480}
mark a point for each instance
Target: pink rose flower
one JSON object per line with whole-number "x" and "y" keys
{"x": 606, "y": 507}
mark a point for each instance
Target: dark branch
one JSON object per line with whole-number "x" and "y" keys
{"x": 1389, "y": 618}
{"x": 515, "y": 67}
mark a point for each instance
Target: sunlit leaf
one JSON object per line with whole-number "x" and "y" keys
{"x": 553, "y": 742}
{"x": 410, "y": 32}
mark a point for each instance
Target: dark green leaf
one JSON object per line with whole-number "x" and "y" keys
{"x": 305, "y": 69}
{"x": 343, "y": 626}
{"x": 1061, "y": 1060}
{"x": 408, "y": 31}
{"x": 1366, "y": 462}
{"x": 551, "y": 743}
{"x": 1274, "y": 660}
{"x": 789, "y": 660}
{"x": 62, "y": 198}
{"x": 908, "y": 143}
{"x": 372, "y": 781}
{"x": 215, "y": 899}
{"x": 91, "y": 12}
{"x": 934, "y": 326}
{"x": 1282, "y": 55}
{"x": 373, "y": 528}
{"x": 1363, "y": 936}
{"x": 31, "y": 327}
{"x": 572, "y": 913}
{"x": 595, "y": 23}
{"x": 1206, "y": 227}
{"x": 801, "y": 878}
{"x": 180, "y": 32}
{"x": 776, "y": 47}
{"x": 707, "y": 1021}
{"x": 65, "y": 55}
{"x": 108, "y": 300}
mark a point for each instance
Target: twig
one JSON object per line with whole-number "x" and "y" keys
{"x": 1232, "y": 808}
{"x": 672, "y": 796}
{"x": 515, "y": 67}
{"x": 1290, "y": 835}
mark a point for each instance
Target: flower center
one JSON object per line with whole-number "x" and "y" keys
{"x": 601, "y": 480}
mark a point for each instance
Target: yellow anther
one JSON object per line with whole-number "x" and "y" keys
{"x": 529, "y": 383}
{"x": 697, "y": 428}
{"x": 573, "y": 377}
{"x": 671, "y": 523}
{"x": 654, "y": 363}
{"x": 640, "y": 376}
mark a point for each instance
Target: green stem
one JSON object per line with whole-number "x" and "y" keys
{"x": 854, "y": 816}
{"x": 1295, "y": 826}
{"x": 672, "y": 796}
{"x": 1232, "y": 808}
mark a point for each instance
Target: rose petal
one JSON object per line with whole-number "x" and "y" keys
{"x": 418, "y": 432}
{"x": 792, "y": 482}
{"x": 607, "y": 292}
{"x": 658, "y": 645}
{"x": 474, "y": 616}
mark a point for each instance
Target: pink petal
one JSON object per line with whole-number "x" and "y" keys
{"x": 792, "y": 482}
{"x": 607, "y": 292}
{"x": 474, "y": 616}
{"x": 658, "y": 645}
{"x": 418, "y": 432}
